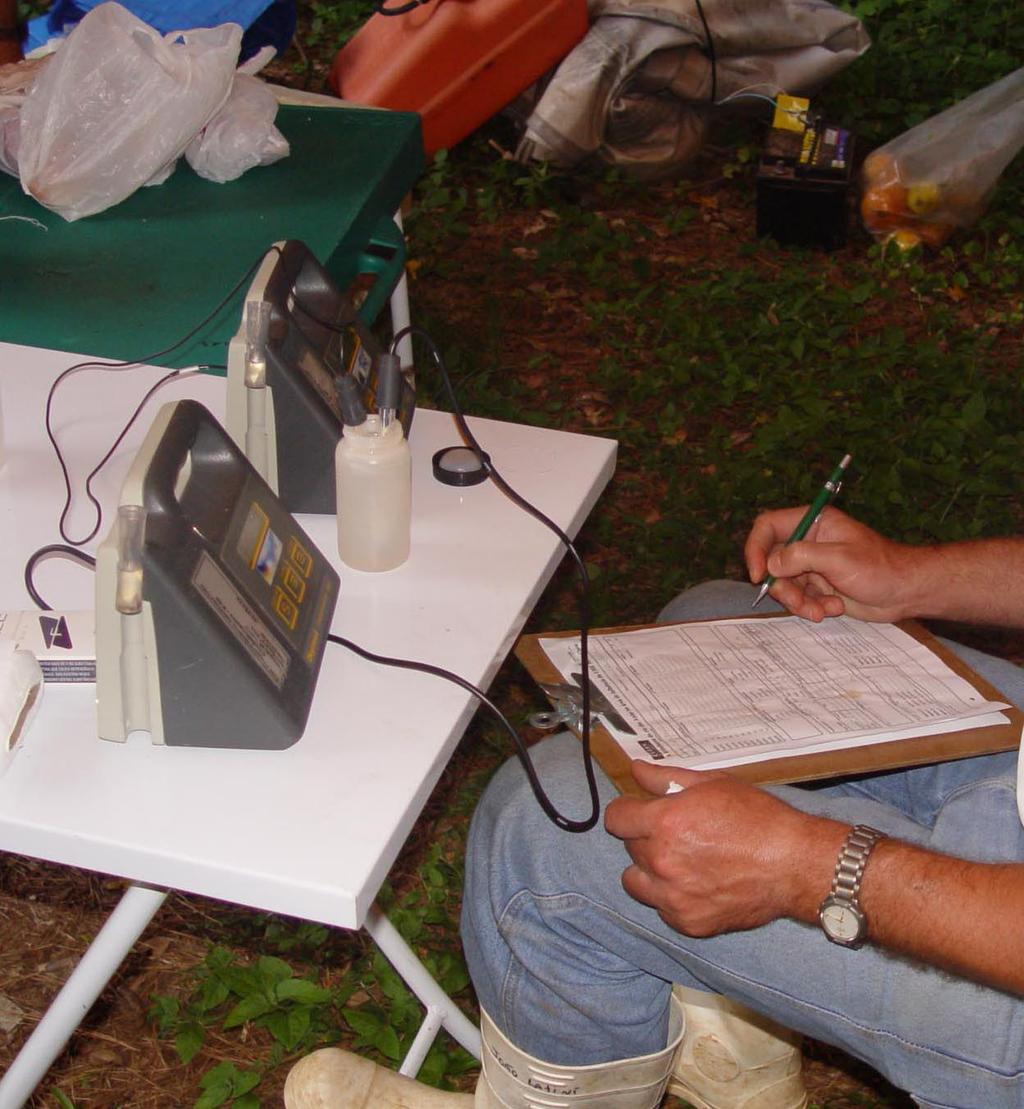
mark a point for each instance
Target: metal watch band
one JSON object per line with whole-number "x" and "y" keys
{"x": 853, "y": 857}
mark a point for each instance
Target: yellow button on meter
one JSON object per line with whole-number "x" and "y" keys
{"x": 300, "y": 557}
{"x": 286, "y": 608}
{"x": 292, "y": 583}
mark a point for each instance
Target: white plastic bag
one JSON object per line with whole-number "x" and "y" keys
{"x": 15, "y": 81}
{"x": 241, "y": 135}
{"x": 940, "y": 174}
{"x": 117, "y": 104}
{"x": 10, "y": 139}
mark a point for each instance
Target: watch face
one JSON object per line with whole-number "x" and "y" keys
{"x": 841, "y": 921}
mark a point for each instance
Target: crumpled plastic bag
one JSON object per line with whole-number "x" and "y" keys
{"x": 636, "y": 91}
{"x": 117, "y": 105}
{"x": 241, "y": 135}
{"x": 16, "y": 78}
{"x": 939, "y": 175}
{"x": 10, "y": 139}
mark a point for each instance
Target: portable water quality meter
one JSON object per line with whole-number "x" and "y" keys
{"x": 212, "y": 604}
{"x": 298, "y": 334}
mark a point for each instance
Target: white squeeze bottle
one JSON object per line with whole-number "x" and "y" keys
{"x": 373, "y": 476}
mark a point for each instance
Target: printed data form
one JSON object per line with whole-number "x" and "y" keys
{"x": 728, "y": 691}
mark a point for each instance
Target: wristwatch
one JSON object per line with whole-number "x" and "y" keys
{"x": 841, "y": 917}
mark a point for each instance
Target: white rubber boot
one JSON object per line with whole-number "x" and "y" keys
{"x": 335, "y": 1079}
{"x": 511, "y": 1079}
{"x": 733, "y": 1058}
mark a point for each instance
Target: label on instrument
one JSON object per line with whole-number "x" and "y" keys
{"x": 241, "y": 618}
{"x": 63, "y": 642}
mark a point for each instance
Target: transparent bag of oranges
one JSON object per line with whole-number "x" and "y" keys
{"x": 939, "y": 175}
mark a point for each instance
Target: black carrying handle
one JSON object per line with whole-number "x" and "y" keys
{"x": 192, "y": 429}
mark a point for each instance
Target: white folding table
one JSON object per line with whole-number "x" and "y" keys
{"x": 311, "y": 831}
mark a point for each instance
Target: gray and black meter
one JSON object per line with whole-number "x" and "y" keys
{"x": 298, "y": 335}
{"x": 212, "y": 605}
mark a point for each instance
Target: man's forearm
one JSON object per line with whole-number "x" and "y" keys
{"x": 979, "y": 582}
{"x": 963, "y": 917}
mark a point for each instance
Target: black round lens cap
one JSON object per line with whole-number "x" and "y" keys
{"x": 460, "y": 466}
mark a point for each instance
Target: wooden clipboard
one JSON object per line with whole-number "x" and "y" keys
{"x": 867, "y": 758}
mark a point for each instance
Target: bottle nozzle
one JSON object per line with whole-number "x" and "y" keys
{"x": 389, "y": 387}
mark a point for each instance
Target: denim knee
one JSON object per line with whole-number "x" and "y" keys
{"x": 713, "y": 600}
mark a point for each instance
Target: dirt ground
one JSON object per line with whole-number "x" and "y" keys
{"x": 49, "y": 914}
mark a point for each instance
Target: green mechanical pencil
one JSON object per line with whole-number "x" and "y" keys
{"x": 825, "y": 496}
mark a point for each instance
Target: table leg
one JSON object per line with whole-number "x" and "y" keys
{"x": 441, "y": 1010}
{"x": 400, "y": 316}
{"x": 95, "y": 969}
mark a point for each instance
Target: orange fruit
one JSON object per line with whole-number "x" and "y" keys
{"x": 887, "y": 198}
{"x": 884, "y": 207}
{"x": 934, "y": 234}
{"x": 879, "y": 168}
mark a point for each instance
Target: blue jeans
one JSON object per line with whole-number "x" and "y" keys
{"x": 574, "y": 971}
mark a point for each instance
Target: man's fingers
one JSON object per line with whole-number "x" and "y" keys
{"x": 797, "y": 601}
{"x": 661, "y": 780}
{"x": 640, "y": 886}
{"x": 769, "y": 530}
{"x": 805, "y": 557}
{"x": 627, "y": 818}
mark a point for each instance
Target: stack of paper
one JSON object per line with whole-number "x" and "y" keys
{"x": 723, "y": 692}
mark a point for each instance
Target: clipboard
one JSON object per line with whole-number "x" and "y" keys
{"x": 813, "y": 765}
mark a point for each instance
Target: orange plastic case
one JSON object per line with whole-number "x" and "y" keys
{"x": 456, "y": 62}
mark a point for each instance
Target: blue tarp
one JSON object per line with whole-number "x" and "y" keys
{"x": 265, "y": 22}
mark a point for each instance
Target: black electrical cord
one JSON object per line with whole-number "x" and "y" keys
{"x": 543, "y": 800}
{"x": 584, "y": 594}
{"x": 524, "y": 756}
{"x": 711, "y": 51}
{"x": 48, "y": 552}
{"x": 70, "y": 545}
{"x": 103, "y": 461}
{"x": 148, "y": 359}
{"x": 402, "y": 9}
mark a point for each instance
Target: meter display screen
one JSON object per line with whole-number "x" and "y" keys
{"x": 279, "y": 574}
{"x": 258, "y": 546}
{"x": 268, "y": 556}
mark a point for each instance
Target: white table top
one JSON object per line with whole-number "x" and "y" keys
{"x": 311, "y": 831}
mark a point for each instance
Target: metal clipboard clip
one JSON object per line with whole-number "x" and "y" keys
{"x": 567, "y": 707}
{"x": 567, "y": 700}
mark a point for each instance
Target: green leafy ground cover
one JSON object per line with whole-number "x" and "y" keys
{"x": 733, "y": 374}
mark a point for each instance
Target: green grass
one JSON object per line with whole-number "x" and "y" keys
{"x": 733, "y": 381}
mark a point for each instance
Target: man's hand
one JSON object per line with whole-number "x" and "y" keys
{"x": 721, "y": 855}
{"x": 841, "y": 567}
